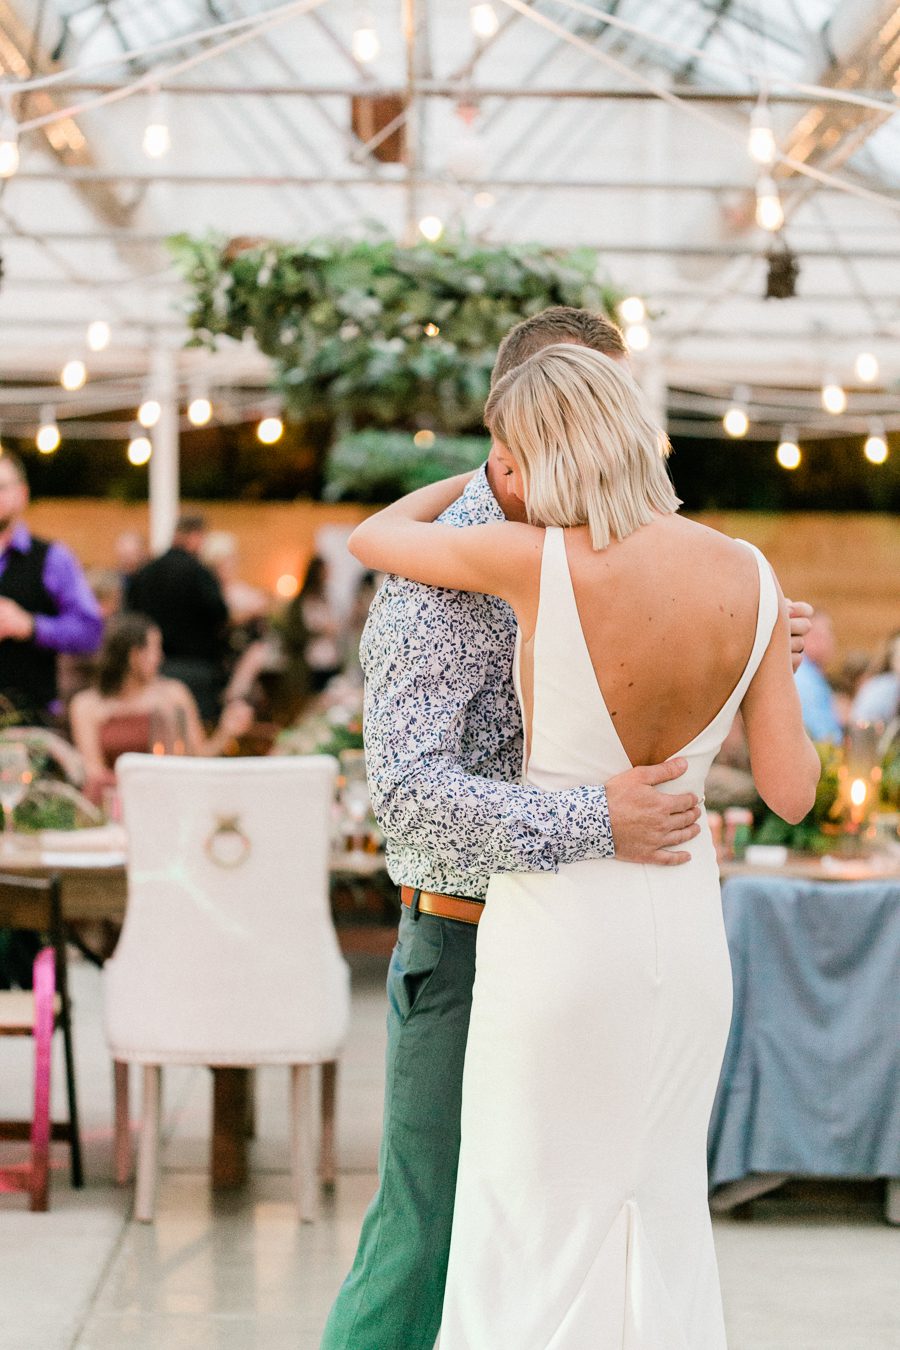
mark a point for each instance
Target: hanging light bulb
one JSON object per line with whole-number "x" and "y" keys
{"x": 761, "y": 140}
{"x": 867, "y": 367}
{"x": 270, "y": 430}
{"x": 876, "y": 446}
{"x": 98, "y": 335}
{"x": 736, "y": 420}
{"x": 157, "y": 140}
{"x": 834, "y": 396}
{"x": 140, "y": 447}
{"x": 637, "y": 337}
{"x": 200, "y": 409}
{"x": 632, "y": 309}
{"x": 9, "y": 144}
{"x": 48, "y": 438}
{"x": 149, "y": 412}
{"x": 788, "y": 453}
{"x": 769, "y": 211}
{"x": 73, "y": 375}
{"x": 431, "y": 227}
{"x": 484, "y": 20}
{"x": 365, "y": 43}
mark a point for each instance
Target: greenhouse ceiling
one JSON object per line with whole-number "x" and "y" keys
{"x": 623, "y": 126}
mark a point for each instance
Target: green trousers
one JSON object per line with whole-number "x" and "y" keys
{"x": 392, "y": 1298}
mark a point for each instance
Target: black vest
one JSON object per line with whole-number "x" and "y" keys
{"x": 27, "y": 671}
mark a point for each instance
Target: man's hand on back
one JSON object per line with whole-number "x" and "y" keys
{"x": 800, "y": 615}
{"x": 647, "y": 824}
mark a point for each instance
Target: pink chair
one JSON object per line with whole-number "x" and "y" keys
{"x": 38, "y": 1012}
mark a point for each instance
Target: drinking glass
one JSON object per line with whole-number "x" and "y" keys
{"x": 15, "y": 779}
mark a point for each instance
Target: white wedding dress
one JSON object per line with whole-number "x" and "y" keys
{"x": 601, "y": 1009}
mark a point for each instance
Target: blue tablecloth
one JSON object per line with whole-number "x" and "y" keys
{"x": 811, "y": 1079}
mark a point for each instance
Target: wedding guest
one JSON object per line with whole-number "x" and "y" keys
{"x": 46, "y": 605}
{"x": 820, "y": 716}
{"x": 323, "y": 628}
{"x": 185, "y": 601}
{"x": 132, "y": 706}
{"x": 878, "y": 698}
{"x": 130, "y": 550}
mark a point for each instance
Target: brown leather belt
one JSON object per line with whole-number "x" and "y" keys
{"x": 443, "y": 906}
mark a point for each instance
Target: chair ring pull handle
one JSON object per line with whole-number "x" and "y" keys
{"x": 227, "y": 845}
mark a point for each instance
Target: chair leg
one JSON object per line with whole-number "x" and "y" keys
{"x": 44, "y": 984}
{"x": 148, "y": 1148}
{"x": 303, "y": 1170}
{"x": 74, "y": 1128}
{"x": 327, "y": 1168}
{"x": 122, "y": 1122}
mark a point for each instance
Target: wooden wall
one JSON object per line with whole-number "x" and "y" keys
{"x": 849, "y": 564}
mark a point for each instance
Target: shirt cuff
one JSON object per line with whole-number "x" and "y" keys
{"x": 586, "y": 827}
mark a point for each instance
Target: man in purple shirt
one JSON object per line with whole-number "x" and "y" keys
{"x": 46, "y": 605}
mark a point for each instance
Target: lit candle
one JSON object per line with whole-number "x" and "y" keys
{"x": 858, "y": 792}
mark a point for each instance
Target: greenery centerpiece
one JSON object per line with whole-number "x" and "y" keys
{"x": 369, "y": 332}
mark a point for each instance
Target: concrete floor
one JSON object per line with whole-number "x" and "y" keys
{"x": 815, "y": 1270}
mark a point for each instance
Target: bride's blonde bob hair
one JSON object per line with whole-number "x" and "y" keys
{"x": 580, "y": 431}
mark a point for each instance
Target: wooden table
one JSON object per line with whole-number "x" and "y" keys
{"x": 94, "y": 889}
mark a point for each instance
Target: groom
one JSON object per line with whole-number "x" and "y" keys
{"x": 444, "y": 753}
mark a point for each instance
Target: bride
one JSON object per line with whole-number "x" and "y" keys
{"x": 603, "y": 992}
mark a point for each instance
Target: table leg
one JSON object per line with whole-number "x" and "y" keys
{"x": 228, "y": 1163}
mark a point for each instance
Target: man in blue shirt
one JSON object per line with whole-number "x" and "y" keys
{"x": 816, "y": 695}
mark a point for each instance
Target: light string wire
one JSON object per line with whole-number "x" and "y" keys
{"x": 699, "y": 114}
{"x": 8, "y": 87}
{"x": 767, "y": 83}
{"x": 152, "y": 78}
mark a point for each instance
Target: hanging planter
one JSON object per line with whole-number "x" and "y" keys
{"x": 371, "y": 333}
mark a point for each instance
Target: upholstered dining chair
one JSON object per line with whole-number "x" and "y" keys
{"x": 35, "y": 903}
{"x": 228, "y": 955}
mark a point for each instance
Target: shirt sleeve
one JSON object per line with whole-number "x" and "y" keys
{"x": 423, "y": 796}
{"x": 78, "y": 627}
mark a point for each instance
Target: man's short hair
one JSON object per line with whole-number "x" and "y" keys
{"x": 190, "y": 524}
{"x": 16, "y": 464}
{"x": 561, "y": 323}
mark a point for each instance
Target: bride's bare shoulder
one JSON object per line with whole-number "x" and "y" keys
{"x": 702, "y": 541}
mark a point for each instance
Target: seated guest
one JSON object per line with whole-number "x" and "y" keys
{"x": 820, "y": 716}
{"x": 133, "y": 707}
{"x": 878, "y": 698}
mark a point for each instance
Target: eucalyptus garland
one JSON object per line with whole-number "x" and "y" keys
{"x": 368, "y": 332}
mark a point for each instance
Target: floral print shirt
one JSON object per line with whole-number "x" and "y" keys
{"x": 443, "y": 735}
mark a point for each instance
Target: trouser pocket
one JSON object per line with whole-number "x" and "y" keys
{"x": 416, "y": 957}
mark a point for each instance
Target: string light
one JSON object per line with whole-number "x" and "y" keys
{"x": 431, "y": 330}
{"x": 140, "y": 447}
{"x": 157, "y": 140}
{"x": 270, "y": 430}
{"x": 736, "y": 421}
{"x": 867, "y": 367}
{"x": 48, "y": 437}
{"x": 200, "y": 410}
{"x": 287, "y": 585}
{"x": 431, "y": 227}
{"x": 876, "y": 446}
{"x": 424, "y": 438}
{"x": 788, "y": 452}
{"x": 9, "y": 144}
{"x": 761, "y": 140}
{"x": 637, "y": 337}
{"x": 73, "y": 375}
{"x": 484, "y": 20}
{"x": 365, "y": 43}
{"x": 834, "y": 396}
{"x": 149, "y": 412}
{"x": 98, "y": 335}
{"x": 632, "y": 309}
{"x": 769, "y": 211}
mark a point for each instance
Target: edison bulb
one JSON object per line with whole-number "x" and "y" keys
{"x": 73, "y": 375}
{"x": 270, "y": 430}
